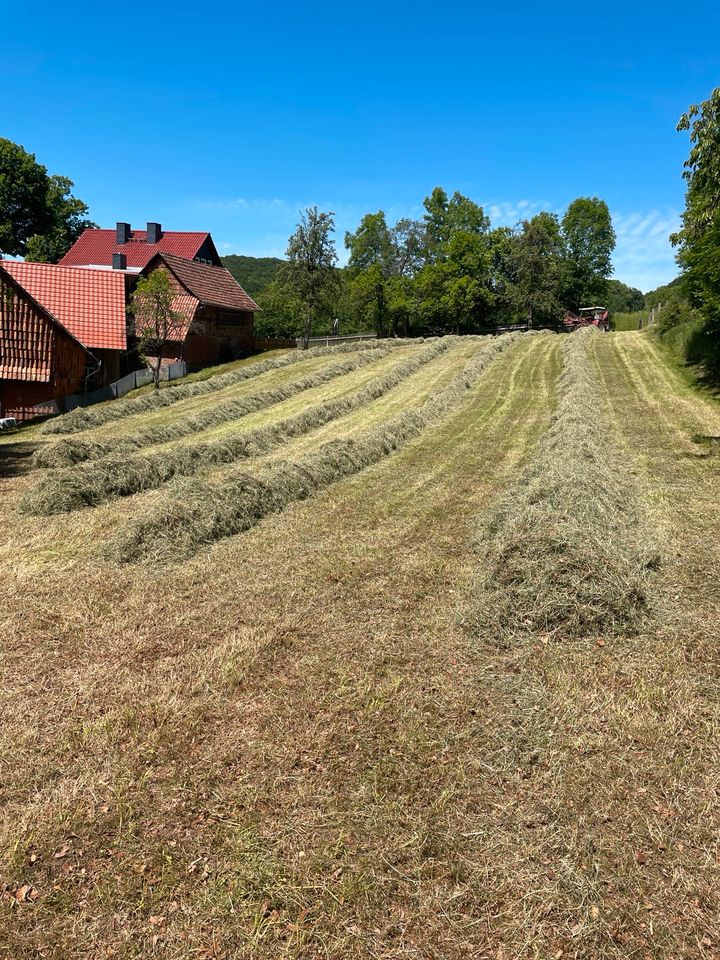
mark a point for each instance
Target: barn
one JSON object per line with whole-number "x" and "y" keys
{"x": 219, "y": 314}
{"x": 89, "y": 304}
{"x": 40, "y": 360}
{"x": 132, "y": 250}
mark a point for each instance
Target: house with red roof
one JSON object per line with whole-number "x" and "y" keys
{"x": 65, "y": 328}
{"x": 126, "y": 249}
{"x": 41, "y": 361}
{"x": 89, "y": 304}
{"x": 218, "y": 314}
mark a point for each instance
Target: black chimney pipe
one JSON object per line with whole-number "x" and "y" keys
{"x": 154, "y": 233}
{"x": 122, "y": 232}
{"x": 119, "y": 261}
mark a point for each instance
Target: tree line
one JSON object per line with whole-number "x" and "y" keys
{"x": 449, "y": 271}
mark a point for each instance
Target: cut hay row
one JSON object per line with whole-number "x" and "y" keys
{"x": 66, "y": 452}
{"x": 86, "y": 485}
{"x": 85, "y": 418}
{"x": 567, "y": 550}
{"x": 196, "y": 512}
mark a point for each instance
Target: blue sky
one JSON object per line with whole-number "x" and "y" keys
{"x": 232, "y": 117}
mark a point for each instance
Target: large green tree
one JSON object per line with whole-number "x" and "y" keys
{"x": 444, "y": 217}
{"x": 310, "y": 273}
{"x": 39, "y": 217}
{"x": 538, "y": 256}
{"x": 699, "y": 238}
{"x": 589, "y": 238}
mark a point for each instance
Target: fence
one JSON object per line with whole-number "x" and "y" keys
{"x": 138, "y": 378}
{"x": 326, "y": 341}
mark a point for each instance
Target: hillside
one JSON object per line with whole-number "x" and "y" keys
{"x": 252, "y": 273}
{"x": 397, "y": 650}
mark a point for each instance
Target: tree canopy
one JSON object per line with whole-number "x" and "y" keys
{"x": 40, "y": 219}
{"x": 449, "y": 270}
{"x": 699, "y": 238}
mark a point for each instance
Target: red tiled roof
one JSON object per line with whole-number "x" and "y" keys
{"x": 88, "y": 303}
{"x": 211, "y": 285}
{"x": 96, "y": 247}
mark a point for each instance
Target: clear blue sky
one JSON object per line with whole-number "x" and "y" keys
{"x": 232, "y": 117}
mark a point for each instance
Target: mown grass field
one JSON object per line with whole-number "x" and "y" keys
{"x": 451, "y": 691}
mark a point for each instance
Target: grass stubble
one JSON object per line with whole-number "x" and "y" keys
{"x": 287, "y": 747}
{"x": 85, "y": 418}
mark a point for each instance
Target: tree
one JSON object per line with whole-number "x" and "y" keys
{"x": 623, "y": 299}
{"x": 310, "y": 271}
{"x": 68, "y": 222}
{"x": 456, "y": 292}
{"x": 39, "y": 217}
{"x": 699, "y": 238}
{"x": 445, "y": 217}
{"x": 154, "y": 319}
{"x": 371, "y": 261}
{"x": 589, "y": 241}
{"x": 538, "y": 260}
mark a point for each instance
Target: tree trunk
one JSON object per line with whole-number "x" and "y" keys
{"x": 308, "y": 328}
{"x": 156, "y": 371}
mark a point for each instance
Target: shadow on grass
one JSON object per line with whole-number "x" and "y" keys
{"x": 15, "y": 456}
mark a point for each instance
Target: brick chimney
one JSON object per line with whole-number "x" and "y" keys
{"x": 122, "y": 233}
{"x": 119, "y": 261}
{"x": 154, "y": 233}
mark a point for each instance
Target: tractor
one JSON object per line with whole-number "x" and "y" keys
{"x": 587, "y": 317}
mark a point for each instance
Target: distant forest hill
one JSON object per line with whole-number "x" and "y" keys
{"x": 253, "y": 273}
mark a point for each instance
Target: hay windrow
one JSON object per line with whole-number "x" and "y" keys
{"x": 67, "y": 452}
{"x": 89, "y": 484}
{"x": 85, "y": 418}
{"x": 195, "y": 512}
{"x": 568, "y": 549}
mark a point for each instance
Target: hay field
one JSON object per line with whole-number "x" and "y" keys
{"x": 416, "y": 658}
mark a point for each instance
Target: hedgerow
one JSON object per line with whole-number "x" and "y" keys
{"x": 568, "y": 548}
{"x": 89, "y": 484}
{"x": 195, "y": 512}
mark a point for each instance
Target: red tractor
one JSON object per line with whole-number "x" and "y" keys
{"x": 587, "y": 317}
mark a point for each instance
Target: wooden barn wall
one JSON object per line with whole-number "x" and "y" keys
{"x": 39, "y": 362}
{"x": 219, "y": 335}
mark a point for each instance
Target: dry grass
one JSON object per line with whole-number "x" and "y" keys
{"x": 106, "y": 479}
{"x": 196, "y": 512}
{"x": 226, "y": 410}
{"x": 84, "y": 418}
{"x": 287, "y": 748}
{"x": 569, "y": 547}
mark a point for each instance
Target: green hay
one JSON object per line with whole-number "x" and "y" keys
{"x": 89, "y": 484}
{"x": 67, "y": 452}
{"x": 195, "y": 512}
{"x": 85, "y": 418}
{"x": 567, "y": 550}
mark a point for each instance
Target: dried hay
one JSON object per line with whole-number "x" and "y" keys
{"x": 84, "y": 418}
{"x": 568, "y": 548}
{"x": 89, "y": 484}
{"x": 195, "y": 512}
{"x": 67, "y": 452}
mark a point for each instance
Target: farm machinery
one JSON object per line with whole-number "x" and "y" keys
{"x": 587, "y": 317}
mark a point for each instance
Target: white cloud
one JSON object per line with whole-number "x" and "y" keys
{"x": 644, "y": 256}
